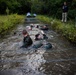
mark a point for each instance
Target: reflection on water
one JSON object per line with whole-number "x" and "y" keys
{"x": 60, "y": 60}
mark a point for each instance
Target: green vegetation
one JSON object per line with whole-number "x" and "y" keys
{"x": 67, "y": 30}
{"x": 8, "y": 22}
{"x": 46, "y": 7}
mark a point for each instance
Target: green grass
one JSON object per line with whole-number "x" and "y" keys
{"x": 8, "y": 22}
{"x": 67, "y": 30}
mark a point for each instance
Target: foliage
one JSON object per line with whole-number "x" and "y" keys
{"x": 47, "y": 7}
{"x": 65, "y": 29}
{"x": 8, "y": 22}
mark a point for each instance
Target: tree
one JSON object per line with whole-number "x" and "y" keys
{"x": 47, "y": 7}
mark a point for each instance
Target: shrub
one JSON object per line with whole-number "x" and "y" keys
{"x": 8, "y": 22}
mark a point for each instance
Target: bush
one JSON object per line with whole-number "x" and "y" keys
{"x": 8, "y": 22}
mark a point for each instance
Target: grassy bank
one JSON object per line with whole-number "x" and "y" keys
{"x": 67, "y": 30}
{"x": 8, "y": 22}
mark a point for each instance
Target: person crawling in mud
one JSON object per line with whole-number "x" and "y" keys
{"x": 40, "y": 36}
{"x": 27, "y": 41}
{"x": 45, "y": 27}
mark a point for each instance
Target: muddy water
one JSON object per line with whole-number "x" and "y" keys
{"x": 60, "y": 60}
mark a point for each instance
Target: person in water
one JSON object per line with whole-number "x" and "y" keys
{"x": 27, "y": 41}
{"x": 29, "y": 28}
{"x": 40, "y": 36}
{"x": 44, "y": 27}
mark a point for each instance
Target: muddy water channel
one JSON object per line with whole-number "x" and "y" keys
{"x": 60, "y": 60}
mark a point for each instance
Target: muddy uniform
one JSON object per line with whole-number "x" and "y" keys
{"x": 27, "y": 41}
